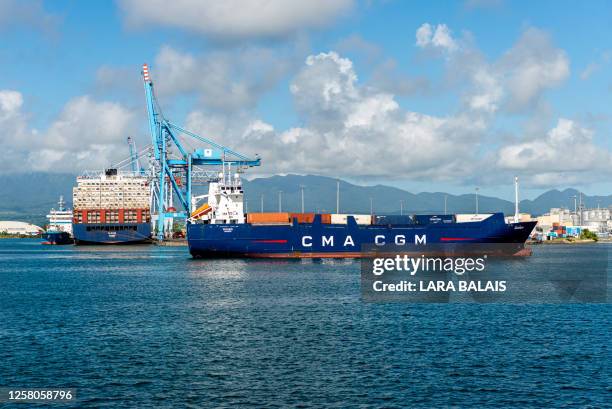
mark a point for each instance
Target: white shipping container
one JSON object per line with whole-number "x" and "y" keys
{"x": 111, "y": 192}
{"x": 359, "y": 218}
{"x": 472, "y": 217}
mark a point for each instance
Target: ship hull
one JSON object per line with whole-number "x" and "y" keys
{"x": 111, "y": 233}
{"x": 317, "y": 240}
{"x": 57, "y": 238}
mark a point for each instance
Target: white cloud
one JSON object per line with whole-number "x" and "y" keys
{"x": 223, "y": 80}
{"x": 86, "y": 133}
{"x": 353, "y": 130}
{"x": 591, "y": 68}
{"x": 423, "y": 35}
{"x": 515, "y": 82}
{"x": 235, "y": 19}
{"x": 566, "y": 150}
{"x": 532, "y": 66}
{"x": 438, "y": 38}
{"x": 26, "y": 14}
{"x": 10, "y": 102}
{"x": 487, "y": 91}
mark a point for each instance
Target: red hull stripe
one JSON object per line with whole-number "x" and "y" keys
{"x": 455, "y": 239}
{"x": 271, "y": 241}
{"x": 521, "y": 253}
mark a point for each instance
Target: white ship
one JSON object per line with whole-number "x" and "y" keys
{"x": 59, "y": 228}
{"x": 61, "y": 219}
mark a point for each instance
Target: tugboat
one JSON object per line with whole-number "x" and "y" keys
{"x": 59, "y": 229}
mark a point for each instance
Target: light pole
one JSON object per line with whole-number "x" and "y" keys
{"x": 280, "y": 201}
{"x": 401, "y": 207}
{"x": 477, "y": 201}
{"x": 302, "y": 190}
{"x": 445, "y": 200}
{"x": 371, "y": 207}
{"x": 262, "y": 202}
{"x": 337, "y": 196}
{"x": 580, "y": 207}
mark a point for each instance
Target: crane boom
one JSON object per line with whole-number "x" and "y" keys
{"x": 135, "y": 165}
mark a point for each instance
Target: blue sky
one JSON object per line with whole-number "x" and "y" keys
{"x": 493, "y": 88}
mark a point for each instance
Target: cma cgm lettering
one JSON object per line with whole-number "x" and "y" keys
{"x": 348, "y": 241}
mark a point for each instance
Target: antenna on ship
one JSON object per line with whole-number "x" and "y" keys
{"x": 516, "y": 200}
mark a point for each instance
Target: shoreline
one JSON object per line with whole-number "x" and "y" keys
{"x": 565, "y": 241}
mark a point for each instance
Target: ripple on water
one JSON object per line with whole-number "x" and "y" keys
{"x": 147, "y": 326}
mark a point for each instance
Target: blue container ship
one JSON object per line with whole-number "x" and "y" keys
{"x": 219, "y": 228}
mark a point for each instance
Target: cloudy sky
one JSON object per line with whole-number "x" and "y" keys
{"x": 428, "y": 96}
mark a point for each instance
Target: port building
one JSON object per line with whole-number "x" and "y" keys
{"x": 17, "y": 227}
{"x": 562, "y": 222}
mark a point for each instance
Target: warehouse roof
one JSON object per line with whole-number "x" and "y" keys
{"x": 16, "y": 227}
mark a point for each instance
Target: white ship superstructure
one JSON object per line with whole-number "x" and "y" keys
{"x": 60, "y": 219}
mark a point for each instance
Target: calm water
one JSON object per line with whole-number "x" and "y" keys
{"x": 150, "y": 327}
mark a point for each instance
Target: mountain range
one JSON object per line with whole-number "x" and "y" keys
{"x": 29, "y": 196}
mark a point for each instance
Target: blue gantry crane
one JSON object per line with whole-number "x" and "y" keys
{"x": 173, "y": 166}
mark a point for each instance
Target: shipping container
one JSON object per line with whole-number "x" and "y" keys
{"x": 471, "y": 217}
{"x": 302, "y": 217}
{"x": 393, "y": 220}
{"x": 268, "y": 218}
{"x": 434, "y": 218}
{"x": 326, "y": 218}
{"x": 363, "y": 219}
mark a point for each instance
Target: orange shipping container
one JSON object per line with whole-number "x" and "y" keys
{"x": 268, "y": 218}
{"x": 326, "y": 218}
{"x": 302, "y": 217}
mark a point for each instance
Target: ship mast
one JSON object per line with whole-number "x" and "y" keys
{"x": 516, "y": 200}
